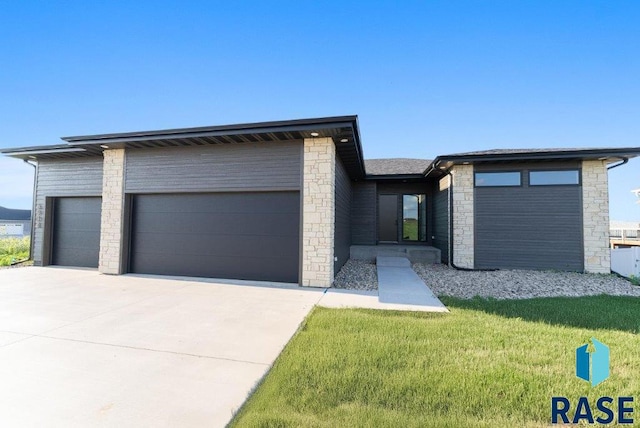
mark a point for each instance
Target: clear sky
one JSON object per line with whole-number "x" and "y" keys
{"x": 425, "y": 77}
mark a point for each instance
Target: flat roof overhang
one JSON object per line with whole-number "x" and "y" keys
{"x": 50, "y": 152}
{"x": 342, "y": 129}
{"x": 405, "y": 178}
{"x": 442, "y": 164}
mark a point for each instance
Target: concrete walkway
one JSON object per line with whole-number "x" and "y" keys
{"x": 399, "y": 288}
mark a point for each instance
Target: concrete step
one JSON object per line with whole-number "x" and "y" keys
{"x": 415, "y": 253}
{"x": 393, "y": 261}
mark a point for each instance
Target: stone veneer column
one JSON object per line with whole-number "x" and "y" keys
{"x": 318, "y": 212}
{"x": 463, "y": 227}
{"x": 112, "y": 220}
{"x": 595, "y": 217}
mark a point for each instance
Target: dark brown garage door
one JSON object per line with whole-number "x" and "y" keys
{"x": 252, "y": 236}
{"x": 76, "y": 232}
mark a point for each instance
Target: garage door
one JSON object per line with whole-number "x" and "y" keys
{"x": 253, "y": 236}
{"x": 76, "y": 232}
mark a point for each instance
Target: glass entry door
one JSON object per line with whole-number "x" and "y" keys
{"x": 402, "y": 218}
{"x": 414, "y": 218}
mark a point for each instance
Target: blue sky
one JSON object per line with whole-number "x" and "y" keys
{"x": 425, "y": 78}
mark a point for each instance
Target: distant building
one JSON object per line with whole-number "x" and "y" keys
{"x": 14, "y": 223}
{"x": 623, "y": 234}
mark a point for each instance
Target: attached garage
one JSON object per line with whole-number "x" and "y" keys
{"x": 76, "y": 231}
{"x": 239, "y": 235}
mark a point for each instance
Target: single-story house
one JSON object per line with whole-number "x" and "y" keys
{"x": 14, "y": 223}
{"x": 289, "y": 201}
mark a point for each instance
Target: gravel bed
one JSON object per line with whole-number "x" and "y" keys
{"x": 357, "y": 275}
{"x": 520, "y": 284}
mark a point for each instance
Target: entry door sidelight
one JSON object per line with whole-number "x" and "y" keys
{"x": 414, "y": 217}
{"x": 388, "y": 218}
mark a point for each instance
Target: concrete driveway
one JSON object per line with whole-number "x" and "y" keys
{"x": 82, "y": 349}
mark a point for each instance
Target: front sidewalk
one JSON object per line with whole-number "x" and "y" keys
{"x": 399, "y": 288}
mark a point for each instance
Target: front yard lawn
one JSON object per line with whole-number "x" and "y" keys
{"x": 13, "y": 250}
{"x": 487, "y": 363}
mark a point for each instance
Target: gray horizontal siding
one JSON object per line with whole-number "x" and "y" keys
{"x": 403, "y": 188}
{"x": 529, "y": 227}
{"x": 441, "y": 218}
{"x": 225, "y": 167}
{"x": 363, "y": 213}
{"x": 55, "y": 178}
{"x": 342, "y": 242}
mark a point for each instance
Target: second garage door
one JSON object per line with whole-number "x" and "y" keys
{"x": 253, "y": 236}
{"x": 76, "y": 232}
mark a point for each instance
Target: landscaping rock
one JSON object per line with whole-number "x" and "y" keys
{"x": 520, "y": 284}
{"x": 500, "y": 284}
{"x": 357, "y": 275}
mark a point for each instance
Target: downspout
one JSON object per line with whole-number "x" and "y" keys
{"x": 450, "y": 206}
{"x": 432, "y": 167}
{"x": 622, "y": 162}
{"x": 33, "y": 208}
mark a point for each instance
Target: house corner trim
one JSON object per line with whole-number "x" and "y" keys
{"x": 318, "y": 212}
{"x": 112, "y": 220}
{"x": 595, "y": 216}
{"x": 463, "y": 216}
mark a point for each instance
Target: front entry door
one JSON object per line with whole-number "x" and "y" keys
{"x": 388, "y": 218}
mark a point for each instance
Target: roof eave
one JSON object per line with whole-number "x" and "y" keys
{"x": 206, "y": 131}
{"x": 46, "y": 152}
{"x": 612, "y": 155}
{"x": 335, "y": 127}
{"x": 394, "y": 177}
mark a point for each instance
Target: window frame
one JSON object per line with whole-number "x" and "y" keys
{"x": 578, "y": 170}
{"x": 475, "y": 178}
{"x": 422, "y": 217}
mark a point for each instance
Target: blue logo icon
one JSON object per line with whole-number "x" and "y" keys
{"x": 592, "y": 365}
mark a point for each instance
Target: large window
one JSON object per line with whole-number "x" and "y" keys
{"x": 554, "y": 178}
{"x": 487, "y": 179}
{"x": 414, "y": 217}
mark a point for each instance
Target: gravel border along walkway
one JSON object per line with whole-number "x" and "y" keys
{"x": 357, "y": 275}
{"x": 501, "y": 284}
{"x": 520, "y": 284}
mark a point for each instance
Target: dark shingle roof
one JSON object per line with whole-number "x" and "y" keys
{"x": 395, "y": 166}
{"x": 10, "y": 214}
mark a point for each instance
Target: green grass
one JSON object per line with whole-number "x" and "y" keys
{"x": 13, "y": 249}
{"x": 410, "y": 230}
{"x": 487, "y": 363}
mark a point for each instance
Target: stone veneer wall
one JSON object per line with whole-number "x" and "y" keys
{"x": 111, "y": 227}
{"x": 463, "y": 228}
{"x": 318, "y": 212}
{"x": 595, "y": 216}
